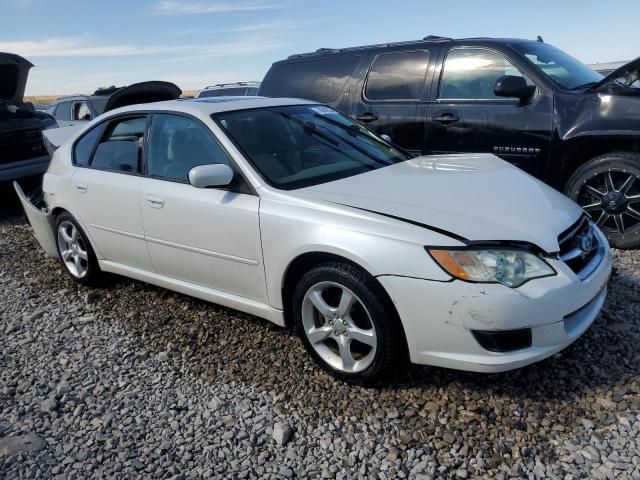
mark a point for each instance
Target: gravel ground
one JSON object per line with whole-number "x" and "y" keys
{"x": 135, "y": 381}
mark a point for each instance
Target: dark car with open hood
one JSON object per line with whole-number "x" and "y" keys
{"x": 22, "y": 152}
{"x": 522, "y": 100}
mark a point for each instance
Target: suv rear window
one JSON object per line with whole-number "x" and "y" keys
{"x": 397, "y": 76}
{"x": 321, "y": 79}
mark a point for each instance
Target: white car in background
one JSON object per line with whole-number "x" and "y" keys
{"x": 292, "y": 212}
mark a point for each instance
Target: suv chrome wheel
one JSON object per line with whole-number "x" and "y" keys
{"x": 339, "y": 327}
{"x": 72, "y": 249}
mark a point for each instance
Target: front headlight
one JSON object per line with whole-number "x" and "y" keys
{"x": 509, "y": 267}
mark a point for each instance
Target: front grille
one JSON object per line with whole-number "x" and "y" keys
{"x": 21, "y": 145}
{"x": 580, "y": 248}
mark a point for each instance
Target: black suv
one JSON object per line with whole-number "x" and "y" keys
{"x": 525, "y": 101}
{"x": 22, "y": 151}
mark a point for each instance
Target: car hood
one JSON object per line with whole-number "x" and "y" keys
{"x": 627, "y": 74}
{"x": 14, "y": 71}
{"x": 471, "y": 197}
{"x": 144, "y": 92}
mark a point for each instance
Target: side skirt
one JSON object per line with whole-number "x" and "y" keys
{"x": 210, "y": 295}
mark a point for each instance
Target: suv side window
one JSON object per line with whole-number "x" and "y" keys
{"x": 63, "y": 111}
{"x": 321, "y": 80}
{"x": 471, "y": 74}
{"x": 121, "y": 148}
{"x": 397, "y": 76}
{"x": 177, "y": 144}
{"x": 81, "y": 111}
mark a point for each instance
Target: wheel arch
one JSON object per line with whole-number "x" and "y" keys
{"x": 578, "y": 150}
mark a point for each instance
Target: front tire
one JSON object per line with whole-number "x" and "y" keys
{"x": 608, "y": 189}
{"x": 76, "y": 253}
{"x": 347, "y": 326}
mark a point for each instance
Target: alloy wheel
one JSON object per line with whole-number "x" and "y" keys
{"x": 612, "y": 200}
{"x": 339, "y": 327}
{"x": 73, "y": 250}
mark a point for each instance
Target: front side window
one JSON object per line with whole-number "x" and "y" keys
{"x": 177, "y": 144}
{"x": 121, "y": 147}
{"x": 81, "y": 111}
{"x": 302, "y": 145}
{"x": 320, "y": 80}
{"x": 397, "y": 76}
{"x": 558, "y": 65}
{"x": 471, "y": 74}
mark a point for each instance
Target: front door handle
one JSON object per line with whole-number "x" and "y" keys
{"x": 80, "y": 187}
{"x": 447, "y": 119}
{"x": 155, "y": 202}
{"x": 367, "y": 117}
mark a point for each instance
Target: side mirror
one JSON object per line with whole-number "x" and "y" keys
{"x": 213, "y": 175}
{"x": 511, "y": 86}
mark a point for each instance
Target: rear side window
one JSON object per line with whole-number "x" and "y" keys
{"x": 397, "y": 76}
{"x": 81, "y": 111}
{"x": 321, "y": 80}
{"x": 84, "y": 146}
{"x": 63, "y": 111}
{"x": 121, "y": 148}
{"x": 471, "y": 73}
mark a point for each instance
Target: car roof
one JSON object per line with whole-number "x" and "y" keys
{"x": 71, "y": 98}
{"x": 210, "y": 105}
{"x": 429, "y": 40}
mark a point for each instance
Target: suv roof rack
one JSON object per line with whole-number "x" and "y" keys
{"x": 428, "y": 38}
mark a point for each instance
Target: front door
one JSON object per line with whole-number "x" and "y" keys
{"x": 392, "y": 100}
{"x": 466, "y": 116}
{"x": 106, "y": 191}
{"x": 205, "y": 236}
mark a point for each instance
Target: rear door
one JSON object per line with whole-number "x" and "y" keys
{"x": 466, "y": 116}
{"x": 393, "y": 94}
{"x": 106, "y": 190}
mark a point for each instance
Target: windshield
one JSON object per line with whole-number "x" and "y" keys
{"x": 559, "y": 66}
{"x": 99, "y": 104}
{"x": 303, "y": 145}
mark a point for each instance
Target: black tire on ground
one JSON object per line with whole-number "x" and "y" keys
{"x": 608, "y": 188}
{"x": 93, "y": 275}
{"x": 390, "y": 356}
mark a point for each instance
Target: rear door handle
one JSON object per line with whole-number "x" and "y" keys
{"x": 367, "y": 117}
{"x": 447, "y": 119}
{"x": 155, "y": 202}
{"x": 80, "y": 187}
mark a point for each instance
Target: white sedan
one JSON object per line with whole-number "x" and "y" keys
{"x": 292, "y": 212}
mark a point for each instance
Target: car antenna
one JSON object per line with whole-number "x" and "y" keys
{"x": 539, "y": 39}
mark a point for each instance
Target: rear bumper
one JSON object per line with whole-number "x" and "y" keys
{"x": 439, "y": 317}
{"x": 24, "y": 168}
{"x": 43, "y": 224}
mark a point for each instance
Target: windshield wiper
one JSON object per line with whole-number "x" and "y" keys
{"x": 310, "y": 127}
{"x": 585, "y": 85}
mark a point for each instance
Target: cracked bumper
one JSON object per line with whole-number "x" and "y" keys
{"x": 438, "y": 316}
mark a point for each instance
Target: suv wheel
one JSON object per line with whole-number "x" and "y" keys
{"x": 346, "y": 326}
{"x": 608, "y": 189}
{"x": 75, "y": 251}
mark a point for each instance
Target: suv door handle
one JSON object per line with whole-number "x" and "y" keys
{"x": 155, "y": 202}
{"x": 80, "y": 187}
{"x": 367, "y": 117}
{"x": 446, "y": 119}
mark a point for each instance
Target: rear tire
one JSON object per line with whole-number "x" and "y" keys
{"x": 76, "y": 254}
{"x": 347, "y": 326}
{"x": 608, "y": 188}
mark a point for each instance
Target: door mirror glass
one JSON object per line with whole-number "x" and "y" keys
{"x": 214, "y": 175}
{"x": 511, "y": 86}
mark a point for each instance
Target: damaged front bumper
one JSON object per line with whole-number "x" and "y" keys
{"x": 42, "y": 222}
